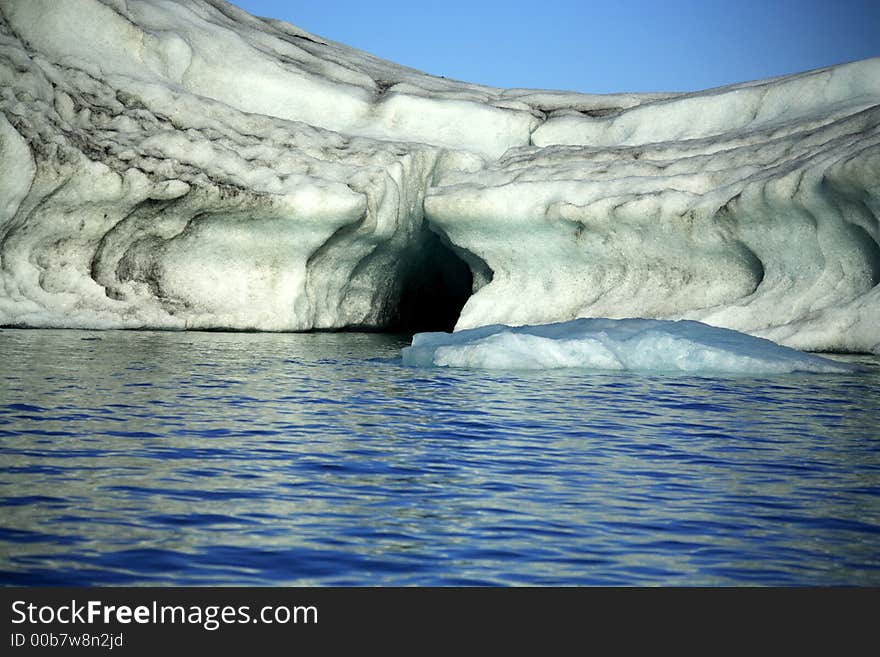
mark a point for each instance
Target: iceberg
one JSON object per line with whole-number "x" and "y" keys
{"x": 194, "y": 167}
{"x": 643, "y": 345}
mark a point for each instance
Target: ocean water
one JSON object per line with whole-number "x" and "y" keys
{"x": 318, "y": 459}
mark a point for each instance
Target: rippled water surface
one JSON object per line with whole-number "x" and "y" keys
{"x": 213, "y": 458}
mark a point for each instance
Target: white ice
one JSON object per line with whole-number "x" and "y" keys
{"x": 182, "y": 164}
{"x": 607, "y": 344}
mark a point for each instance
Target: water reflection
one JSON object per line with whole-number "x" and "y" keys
{"x": 198, "y": 458}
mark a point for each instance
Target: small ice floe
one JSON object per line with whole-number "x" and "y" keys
{"x": 613, "y": 344}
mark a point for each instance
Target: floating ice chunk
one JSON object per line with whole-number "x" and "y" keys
{"x": 613, "y": 344}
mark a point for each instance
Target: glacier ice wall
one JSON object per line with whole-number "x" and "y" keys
{"x": 182, "y": 164}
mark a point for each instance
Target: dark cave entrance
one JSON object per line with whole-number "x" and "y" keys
{"x": 434, "y": 285}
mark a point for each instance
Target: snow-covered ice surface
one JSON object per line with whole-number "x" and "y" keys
{"x": 186, "y": 165}
{"x": 647, "y": 345}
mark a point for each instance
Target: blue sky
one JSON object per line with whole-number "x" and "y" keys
{"x": 598, "y": 47}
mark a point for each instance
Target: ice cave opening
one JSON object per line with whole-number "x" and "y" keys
{"x": 434, "y": 284}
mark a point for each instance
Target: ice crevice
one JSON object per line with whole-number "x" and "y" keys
{"x": 197, "y": 167}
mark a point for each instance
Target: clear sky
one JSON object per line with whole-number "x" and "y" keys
{"x": 596, "y": 46}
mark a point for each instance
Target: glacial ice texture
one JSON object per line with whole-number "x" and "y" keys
{"x": 186, "y": 165}
{"x": 646, "y": 345}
